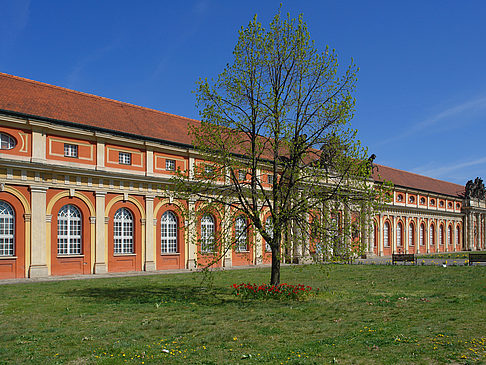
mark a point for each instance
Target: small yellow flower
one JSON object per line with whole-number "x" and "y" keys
{"x": 235, "y": 338}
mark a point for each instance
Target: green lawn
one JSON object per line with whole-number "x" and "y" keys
{"x": 447, "y": 255}
{"x": 363, "y": 314}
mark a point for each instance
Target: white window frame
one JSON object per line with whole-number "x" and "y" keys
{"x": 458, "y": 235}
{"x": 124, "y": 158}
{"x": 207, "y": 233}
{"x": 431, "y": 235}
{"x": 123, "y": 228}
{"x": 399, "y": 234}
{"x": 269, "y": 230}
{"x": 270, "y": 179}
{"x": 7, "y": 142}
{"x": 449, "y": 234}
{"x": 441, "y": 235}
{"x": 170, "y": 165}
{"x": 422, "y": 234}
{"x": 386, "y": 234}
{"x": 410, "y": 234}
{"x": 70, "y": 150}
{"x": 7, "y": 229}
{"x": 168, "y": 233}
{"x": 241, "y": 175}
{"x": 241, "y": 234}
{"x": 69, "y": 231}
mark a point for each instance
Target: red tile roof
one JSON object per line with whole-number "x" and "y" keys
{"x": 47, "y": 101}
{"x": 28, "y": 97}
{"x": 410, "y": 180}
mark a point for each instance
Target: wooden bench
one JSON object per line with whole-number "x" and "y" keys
{"x": 476, "y": 257}
{"x": 403, "y": 257}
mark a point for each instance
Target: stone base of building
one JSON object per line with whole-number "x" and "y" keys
{"x": 100, "y": 269}
{"x": 38, "y": 271}
{"x": 150, "y": 266}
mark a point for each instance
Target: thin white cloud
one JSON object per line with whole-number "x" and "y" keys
{"x": 75, "y": 74}
{"x": 15, "y": 17}
{"x": 440, "y": 172}
{"x": 457, "y": 111}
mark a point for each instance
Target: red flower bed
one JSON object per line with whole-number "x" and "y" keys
{"x": 282, "y": 291}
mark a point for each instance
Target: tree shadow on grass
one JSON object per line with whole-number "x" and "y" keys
{"x": 142, "y": 294}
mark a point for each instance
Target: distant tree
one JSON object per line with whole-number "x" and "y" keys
{"x": 275, "y": 135}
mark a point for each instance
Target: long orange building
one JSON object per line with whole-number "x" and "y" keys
{"x": 84, "y": 189}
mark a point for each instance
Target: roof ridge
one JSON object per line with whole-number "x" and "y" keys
{"x": 93, "y": 96}
{"x": 413, "y": 173}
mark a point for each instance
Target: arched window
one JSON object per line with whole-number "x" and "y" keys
{"x": 449, "y": 235}
{"x": 269, "y": 230}
{"x": 123, "y": 231}
{"x": 386, "y": 234}
{"x": 7, "y": 142}
{"x": 207, "y": 233}
{"x": 411, "y": 232}
{"x": 240, "y": 234}
{"x": 441, "y": 234}
{"x": 431, "y": 235}
{"x": 458, "y": 235}
{"x": 422, "y": 234}
{"x": 399, "y": 234}
{"x": 69, "y": 231}
{"x": 7, "y": 229}
{"x": 168, "y": 233}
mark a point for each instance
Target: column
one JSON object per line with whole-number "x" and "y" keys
{"x": 228, "y": 256}
{"x": 101, "y": 243}
{"x": 192, "y": 236}
{"x": 406, "y": 222}
{"x": 380, "y": 236}
{"x": 469, "y": 237}
{"x": 149, "y": 234}
{"x": 417, "y": 236}
{"x": 38, "y": 266}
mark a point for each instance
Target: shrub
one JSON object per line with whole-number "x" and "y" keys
{"x": 281, "y": 292}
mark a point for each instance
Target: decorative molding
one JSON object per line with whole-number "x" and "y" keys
{"x": 92, "y": 220}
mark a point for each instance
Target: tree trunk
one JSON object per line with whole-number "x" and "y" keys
{"x": 275, "y": 278}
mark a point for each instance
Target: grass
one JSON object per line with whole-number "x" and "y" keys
{"x": 447, "y": 255}
{"x": 363, "y": 314}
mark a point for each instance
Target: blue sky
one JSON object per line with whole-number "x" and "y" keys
{"x": 421, "y": 95}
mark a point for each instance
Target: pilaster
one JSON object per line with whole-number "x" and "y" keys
{"x": 39, "y": 246}
{"x": 101, "y": 243}
{"x": 192, "y": 236}
{"x": 149, "y": 234}
{"x": 38, "y": 145}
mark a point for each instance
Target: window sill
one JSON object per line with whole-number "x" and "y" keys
{"x": 8, "y": 257}
{"x": 170, "y": 254}
{"x": 69, "y": 256}
{"x": 124, "y": 254}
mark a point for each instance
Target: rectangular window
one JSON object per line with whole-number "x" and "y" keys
{"x": 124, "y": 158}
{"x": 170, "y": 165}
{"x": 70, "y": 150}
{"x": 270, "y": 179}
{"x": 241, "y": 175}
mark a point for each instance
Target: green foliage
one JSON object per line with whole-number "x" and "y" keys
{"x": 283, "y": 108}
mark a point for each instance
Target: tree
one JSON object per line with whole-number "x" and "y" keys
{"x": 275, "y": 135}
